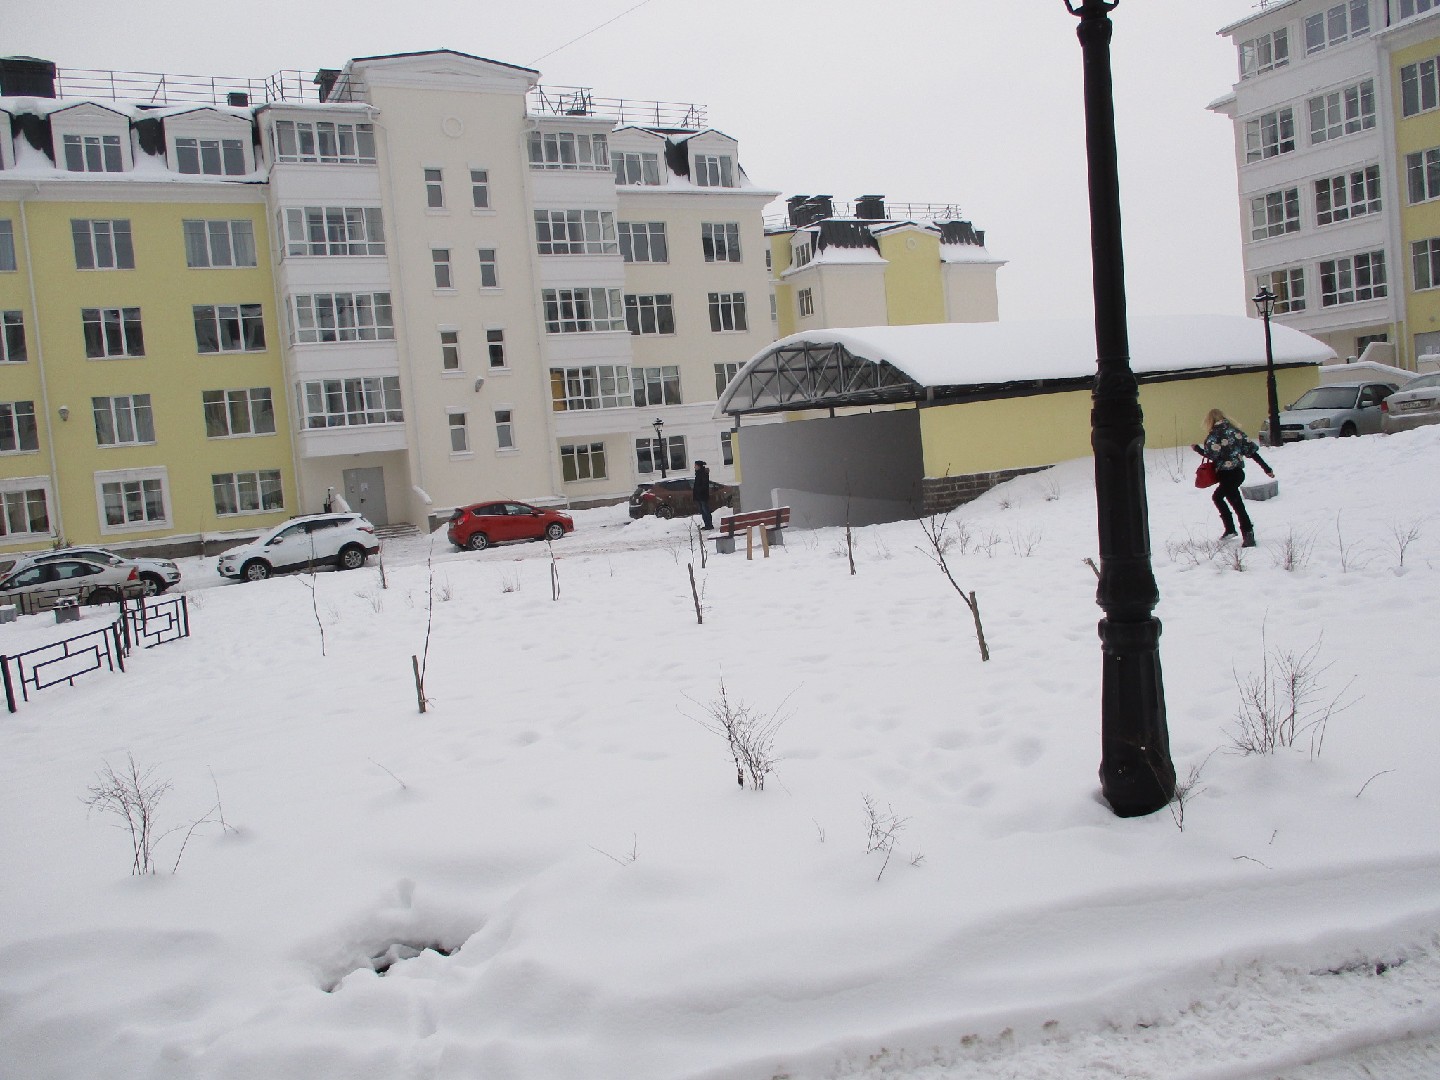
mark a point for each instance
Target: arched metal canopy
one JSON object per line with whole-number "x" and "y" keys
{"x": 811, "y": 375}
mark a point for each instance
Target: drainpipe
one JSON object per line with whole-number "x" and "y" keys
{"x": 58, "y": 523}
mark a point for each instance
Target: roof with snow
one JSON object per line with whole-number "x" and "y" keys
{"x": 871, "y": 365}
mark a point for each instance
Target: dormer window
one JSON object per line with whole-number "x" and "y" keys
{"x": 804, "y": 252}
{"x": 93, "y": 153}
{"x": 714, "y": 170}
{"x": 636, "y": 168}
{"x": 211, "y": 157}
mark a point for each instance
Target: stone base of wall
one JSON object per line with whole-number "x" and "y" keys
{"x": 941, "y": 494}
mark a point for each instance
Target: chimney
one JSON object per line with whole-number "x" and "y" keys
{"x": 821, "y": 207}
{"x": 25, "y": 76}
{"x": 870, "y": 208}
{"x": 793, "y": 205}
{"x": 326, "y": 79}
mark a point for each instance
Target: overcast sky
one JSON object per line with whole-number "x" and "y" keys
{"x": 971, "y": 102}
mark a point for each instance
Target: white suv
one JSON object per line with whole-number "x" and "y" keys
{"x": 344, "y": 540}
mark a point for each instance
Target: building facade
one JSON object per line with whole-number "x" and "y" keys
{"x": 1335, "y": 112}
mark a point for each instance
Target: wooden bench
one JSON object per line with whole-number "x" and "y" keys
{"x": 770, "y": 523}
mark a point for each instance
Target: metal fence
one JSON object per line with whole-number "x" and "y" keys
{"x": 581, "y": 101}
{"x": 158, "y": 88}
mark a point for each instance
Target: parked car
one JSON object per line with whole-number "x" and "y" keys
{"x": 156, "y": 574}
{"x": 33, "y": 584}
{"x": 1413, "y": 405}
{"x": 481, "y": 524}
{"x": 674, "y": 497}
{"x": 342, "y": 540}
{"x": 1337, "y": 410}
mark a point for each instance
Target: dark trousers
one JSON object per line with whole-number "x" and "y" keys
{"x": 703, "y": 505}
{"x": 1227, "y": 491}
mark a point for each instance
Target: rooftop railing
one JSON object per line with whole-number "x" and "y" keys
{"x": 894, "y": 211}
{"x": 156, "y": 88}
{"x": 581, "y": 101}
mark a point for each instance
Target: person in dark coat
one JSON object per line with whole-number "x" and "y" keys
{"x": 701, "y": 491}
{"x": 1228, "y": 447}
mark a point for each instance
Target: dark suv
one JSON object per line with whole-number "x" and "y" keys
{"x": 674, "y": 497}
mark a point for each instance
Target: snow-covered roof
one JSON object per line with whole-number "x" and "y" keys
{"x": 907, "y": 360}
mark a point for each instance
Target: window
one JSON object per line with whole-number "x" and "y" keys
{"x": 210, "y": 157}
{"x": 93, "y": 153}
{"x": 598, "y": 387}
{"x": 219, "y": 243}
{"x": 7, "y": 244}
{"x": 1288, "y": 287}
{"x": 769, "y": 266}
{"x": 582, "y": 311}
{"x": 727, "y": 447}
{"x": 585, "y": 461}
{"x": 632, "y": 167}
{"x": 132, "y": 498}
{"x": 774, "y": 308}
{"x": 714, "y": 171}
{"x": 440, "y": 259}
{"x": 568, "y": 150}
{"x": 1422, "y": 174}
{"x": 112, "y": 332}
{"x": 434, "y": 189}
{"x": 323, "y": 142}
{"x": 1353, "y": 279}
{"x": 1425, "y": 255}
{"x": 1342, "y": 112}
{"x": 1349, "y": 195}
{"x": 247, "y": 492}
{"x": 723, "y": 374}
{"x": 102, "y": 245}
{"x": 643, "y": 242}
{"x": 449, "y": 350}
{"x": 651, "y": 453}
{"x": 459, "y": 433}
{"x": 1337, "y": 25}
{"x": 480, "y": 189}
{"x": 656, "y": 385}
{"x": 720, "y": 241}
{"x": 727, "y": 311}
{"x": 805, "y": 299}
{"x": 123, "y": 421}
{"x": 327, "y": 403}
{"x": 12, "y": 337}
{"x": 802, "y": 253}
{"x": 331, "y": 317}
{"x": 1273, "y": 214}
{"x": 24, "y": 507}
{"x": 1415, "y": 7}
{"x": 232, "y": 413}
{"x": 489, "y": 269}
{"x": 1264, "y": 53}
{"x": 334, "y": 230}
{"x": 495, "y": 346}
{"x": 1270, "y": 134}
{"x": 1420, "y": 86}
{"x": 229, "y": 328}
{"x": 17, "y": 427}
{"x": 575, "y": 232}
{"x": 504, "y": 429}
{"x": 650, "y": 314}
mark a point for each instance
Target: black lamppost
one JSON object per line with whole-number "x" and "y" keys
{"x": 663, "y": 457}
{"x": 1264, "y": 302}
{"x": 1136, "y": 774}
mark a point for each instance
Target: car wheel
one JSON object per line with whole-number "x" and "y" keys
{"x": 664, "y": 511}
{"x": 478, "y": 542}
{"x": 153, "y": 584}
{"x": 352, "y": 557}
{"x": 103, "y": 596}
{"x": 554, "y": 531}
{"x": 1348, "y": 430}
{"x": 255, "y": 570}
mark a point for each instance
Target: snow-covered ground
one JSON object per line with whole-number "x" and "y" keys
{"x": 614, "y": 907}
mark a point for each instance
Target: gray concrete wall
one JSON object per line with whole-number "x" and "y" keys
{"x": 871, "y": 463}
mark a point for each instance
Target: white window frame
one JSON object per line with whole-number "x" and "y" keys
{"x": 323, "y": 142}
{"x": 139, "y": 483}
{"x": 444, "y": 269}
{"x": 727, "y": 313}
{"x": 656, "y": 386}
{"x": 1422, "y": 175}
{"x": 505, "y": 429}
{"x": 583, "y": 461}
{"x": 333, "y": 231}
{"x": 636, "y": 168}
{"x": 1335, "y": 114}
{"x": 1272, "y": 214}
{"x": 643, "y": 242}
{"x": 1347, "y": 272}
{"x": 458, "y": 423}
{"x": 489, "y": 268}
{"x": 1420, "y": 87}
{"x": 338, "y": 318}
{"x": 480, "y": 191}
{"x": 237, "y": 328}
{"x": 1264, "y": 52}
{"x": 805, "y": 302}
{"x": 1410, "y": 8}
{"x": 211, "y": 155}
{"x": 121, "y": 332}
{"x": 261, "y": 484}
{"x": 495, "y": 355}
{"x": 585, "y": 151}
{"x": 1270, "y": 135}
{"x": 350, "y": 401}
{"x": 7, "y": 246}
{"x": 802, "y": 250}
{"x": 720, "y": 241}
{"x": 590, "y": 386}
{"x": 583, "y": 310}
{"x": 677, "y": 454}
{"x": 724, "y": 372}
{"x": 714, "y": 171}
{"x": 575, "y": 232}
{"x": 18, "y": 431}
{"x": 434, "y": 188}
{"x": 650, "y": 314}
{"x": 13, "y": 349}
{"x": 1347, "y": 196}
{"x": 94, "y": 152}
{"x": 102, "y": 244}
{"x": 727, "y": 447}
{"x": 132, "y": 413}
{"x": 450, "y": 363}
{"x": 1288, "y": 286}
{"x": 1336, "y": 25}
{"x": 253, "y": 404}
{"x": 18, "y": 498}
{"x": 1425, "y": 263}
{"x": 219, "y": 243}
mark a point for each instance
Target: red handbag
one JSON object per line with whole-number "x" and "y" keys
{"x": 1205, "y": 475}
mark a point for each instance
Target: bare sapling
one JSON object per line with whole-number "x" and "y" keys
{"x": 1293, "y": 552}
{"x": 133, "y": 796}
{"x": 380, "y": 563}
{"x": 1405, "y": 534}
{"x": 1185, "y": 790}
{"x": 420, "y": 663}
{"x": 554, "y": 572}
{"x": 748, "y": 733}
{"x": 939, "y": 544}
{"x": 884, "y": 828}
{"x": 1352, "y": 557}
{"x": 695, "y": 595}
{"x": 309, "y": 583}
{"x": 697, "y": 540}
{"x": 1285, "y": 701}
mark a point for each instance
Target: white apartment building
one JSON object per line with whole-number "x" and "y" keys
{"x": 1320, "y": 181}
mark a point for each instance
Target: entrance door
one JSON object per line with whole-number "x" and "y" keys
{"x": 365, "y": 492}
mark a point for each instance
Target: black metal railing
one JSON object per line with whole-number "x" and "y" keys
{"x": 581, "y": 101}
{"x": 148, "y": 623}
{"x": 159, "y": 88}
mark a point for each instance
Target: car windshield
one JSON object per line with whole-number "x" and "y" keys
{"x": 1327, "y": 397}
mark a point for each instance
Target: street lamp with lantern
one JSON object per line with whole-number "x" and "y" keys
{"x": 1136, "y": 774}
{"x": 661, "y": 455}
{"x": 1264, "y": 302}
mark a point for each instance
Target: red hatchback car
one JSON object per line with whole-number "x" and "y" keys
{"x": 478, "y": 526}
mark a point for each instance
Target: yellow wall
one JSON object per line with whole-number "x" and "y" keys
{"x": 172, "y": 371}
{"x": 1017, "y": 433}
{"x": 914, "y": 292}
{"x": 784, "y": 294}
{"x": 1422, "y": 220}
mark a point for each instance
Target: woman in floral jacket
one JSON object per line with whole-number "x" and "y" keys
{"x": 1228, "y": 447}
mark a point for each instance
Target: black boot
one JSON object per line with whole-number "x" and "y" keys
{"x": 1247, "y": 538}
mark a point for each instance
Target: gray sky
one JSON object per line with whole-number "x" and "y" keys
{"x": 971, "y": 102}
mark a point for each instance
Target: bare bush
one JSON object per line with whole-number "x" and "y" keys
{"x": 883, "y": 830}
{"x": 1023, "y": 542}
{"x": 1285, "y": 701}
{"x": 1404, "y": 534}
{"x": 1293, "y": 551}
{"x": 446, "y": 591}
{"x": 1050, "y": 489}
{"x": 748, "y": 733}
{"x": 939, "y": 543}
{"x": 1352, "y": 556}
{"x": 133, "y": 795}
{"x": 373, "y": 598}
{"x": 1185, "y": 790}
{"x": 510, "y": 580}
{"x": 988, "y": 541}
{"x": 1193, "y": 551}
